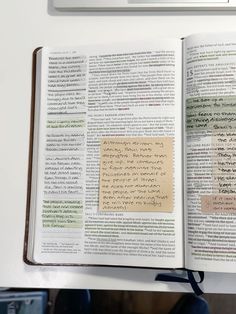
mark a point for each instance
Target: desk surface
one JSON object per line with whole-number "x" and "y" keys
{"x": 25, "y": 25}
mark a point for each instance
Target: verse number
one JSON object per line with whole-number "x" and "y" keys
{"x": 190, "y": 73}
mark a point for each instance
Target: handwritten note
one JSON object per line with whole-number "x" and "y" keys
{"x": 218, "y": 204}
{"x": 223, "y": 199}
{"x": 224, "y": 162}
{"x": 211, "y": 113}
{"x": 136, "y": 174}
{"x": 217, "y": 116}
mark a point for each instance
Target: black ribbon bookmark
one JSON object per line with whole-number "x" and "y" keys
{"x": 190, "y": 279}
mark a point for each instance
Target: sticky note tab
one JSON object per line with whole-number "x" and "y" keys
{"x": 218, "y": 204}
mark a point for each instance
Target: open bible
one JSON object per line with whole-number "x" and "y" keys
{"x": 133, "y": 155}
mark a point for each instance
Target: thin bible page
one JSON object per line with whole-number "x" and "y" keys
{"x": 130, "y": 90}
{"x": 210, "y": 76}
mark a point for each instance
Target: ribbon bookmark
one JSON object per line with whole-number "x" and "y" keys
{"x": 190, "y": 279}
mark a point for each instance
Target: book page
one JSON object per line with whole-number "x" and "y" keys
{"x": 129, "y": 92}
{"x": 210, "y": 105}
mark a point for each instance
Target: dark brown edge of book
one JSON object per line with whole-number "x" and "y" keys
{"x": 30, "y": 154}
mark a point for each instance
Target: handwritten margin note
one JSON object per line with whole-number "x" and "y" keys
{"x": 213, "y": 113}
{"x": 136, "y": 174}
{"x": 218, "y": 204}
{"x": 223, "y": 199}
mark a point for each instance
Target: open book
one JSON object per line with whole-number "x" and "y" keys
{"x": 133, "y": 155}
